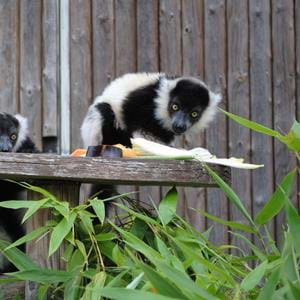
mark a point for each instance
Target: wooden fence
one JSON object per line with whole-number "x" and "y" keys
{"x": 247, "y": 50}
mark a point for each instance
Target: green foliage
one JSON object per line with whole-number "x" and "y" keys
{"x": 154, "y": 254}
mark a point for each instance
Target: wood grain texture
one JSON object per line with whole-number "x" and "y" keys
{"x": 283, "y": 87}
{"x": 261, "y": 102}
{"x": 148, "y": 61}
{"x": 193, "y": 65}
{"x": 103, "y": 44}
{"x": 38, "y": 249}
{"x": 9, "y": 65}
{"x": 170, "y": 41}
{"x": 147, "y": 36}
{"x": 30, "y": 67}
{"x": 238, "y": 93}
{"x": 114, "y": 171}
{"x": 50, "y": 68}
{"x": 297, "y": 35}
{"x": 80, "y": 65}
{"x": 9, "y": 290}
{"x": 125, "y": 22}
{"x": 215, "y": 76}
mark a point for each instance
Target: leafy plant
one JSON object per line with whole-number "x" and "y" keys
{"x": 154, "y": 254}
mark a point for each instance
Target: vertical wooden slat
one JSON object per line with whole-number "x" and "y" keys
{"x": 193, "y": 65}
{"x": 148, "y": 61}
{"x": 125, "y": 48}
{"x": 239, "y": 102}
{"x": 50, "y": 65}
{"x": 30, "y": 67}
{"x": 170, "y": 37}
{"x": 80, "y": 64}
{"x": 103, "y": 44}
{"x": 125, "y": 12}
{"x": 147, "y": 36}
{"x": 283, "y": 87}
{"x": 9, "y": 56}
{"x": 170, "y": 46}
{"x": 297, "y": 35}
{"x": 38, "y": 249}
{"x": 215, "y": 76}
{"x": 261, "y": 102}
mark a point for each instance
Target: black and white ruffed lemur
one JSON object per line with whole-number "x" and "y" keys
{"x": 149, "y": 105}
{"x": 13, "y": 138}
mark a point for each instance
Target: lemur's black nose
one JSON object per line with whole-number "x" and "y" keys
{"x": 179, "y": 129}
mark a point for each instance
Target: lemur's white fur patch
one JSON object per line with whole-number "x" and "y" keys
{"x": 91, "y": 129}
{"x": 23, "y": 131}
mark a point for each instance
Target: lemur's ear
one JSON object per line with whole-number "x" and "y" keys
{"x": 214, "y": 99}
{"x": 23, "y": 130}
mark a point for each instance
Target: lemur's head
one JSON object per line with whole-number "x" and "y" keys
{"x": 13, "y": 130}
{"x": 189, "y": 105}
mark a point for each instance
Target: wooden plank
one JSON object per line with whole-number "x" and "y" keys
{"x": 283, "y": 88}
{"x": 9, "y": 55}
{"x": 261, "y": 102}
{"x": 9, "y": 290}
{"x": 215, "y": 76}
{"x": 193, "y": 65}
{"x": 80, "y": 66}
{"x": 170, "y": 37}
{"x": 297, "y": 35}
{"x": 148, "y": 61}
{"x": 50, "y": 65}
{"x": 38, "y": 249}
{"x": 239, "y": 103}
{"x": 125, "y": 22}
{"x": 30, "y": 67}
{"x": 103, "y": 44}
{"x": 111, "y": 171}
{"x": 147, "y": 36}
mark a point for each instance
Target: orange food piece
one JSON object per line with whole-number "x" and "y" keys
{"x": 79, "y": 152}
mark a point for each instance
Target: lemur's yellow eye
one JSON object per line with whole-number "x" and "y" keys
{"x": 175, "y": 107}
{"x": 194, "y": 114}
{"x": 13, "y": 137}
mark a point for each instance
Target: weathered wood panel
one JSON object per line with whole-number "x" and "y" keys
{"x": 215, "y": 76}
{"x": 238, "y": 93}
{"x": 9, "y": 55}
{"x": 31, "y": 66}
{"x": 193, "y": 65}
{"x": 297, "y": 35}
{"x": 103, "y": 44}
{"x": 170, "y": 42}
{"x": 283, "y": 86}
{"x": 80, "y": 65}
{"x": 50, "y": 67}
{"x": 125, "y": 27}
{"x": 261, "y": 102}
{"x": 38, "y": 249}
{"x": 148, "y": 61}
{"x": 112, "y": 171}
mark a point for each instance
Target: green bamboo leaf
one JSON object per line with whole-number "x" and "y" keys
{"x": 292, "y": 139}
{"x": 34, "y": 208}
{"x": 252, "y": 125}
{"x": 161, "y": 284}
{"x": 254, "y": 277}
{"x": 269, "y": 288}
{"x": 42, "y": 292}
{"x": 99, "y": 209}
{"x": 295, "y": 290}
{"x": 167, "y": 206}
{"x": 28, "y": 237}
{"x": 231, "y": 224}
{"x": 232, "y": 196}
{"x": 17, "y": 204}
{"x": 128, "y": 294}
{"x": 87, "y": 221}
{"x": 43, "y": 276}
{"x": 17, "y": 257}
{"x": 277, "y": 200}
{"x": 60, "y": 231}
